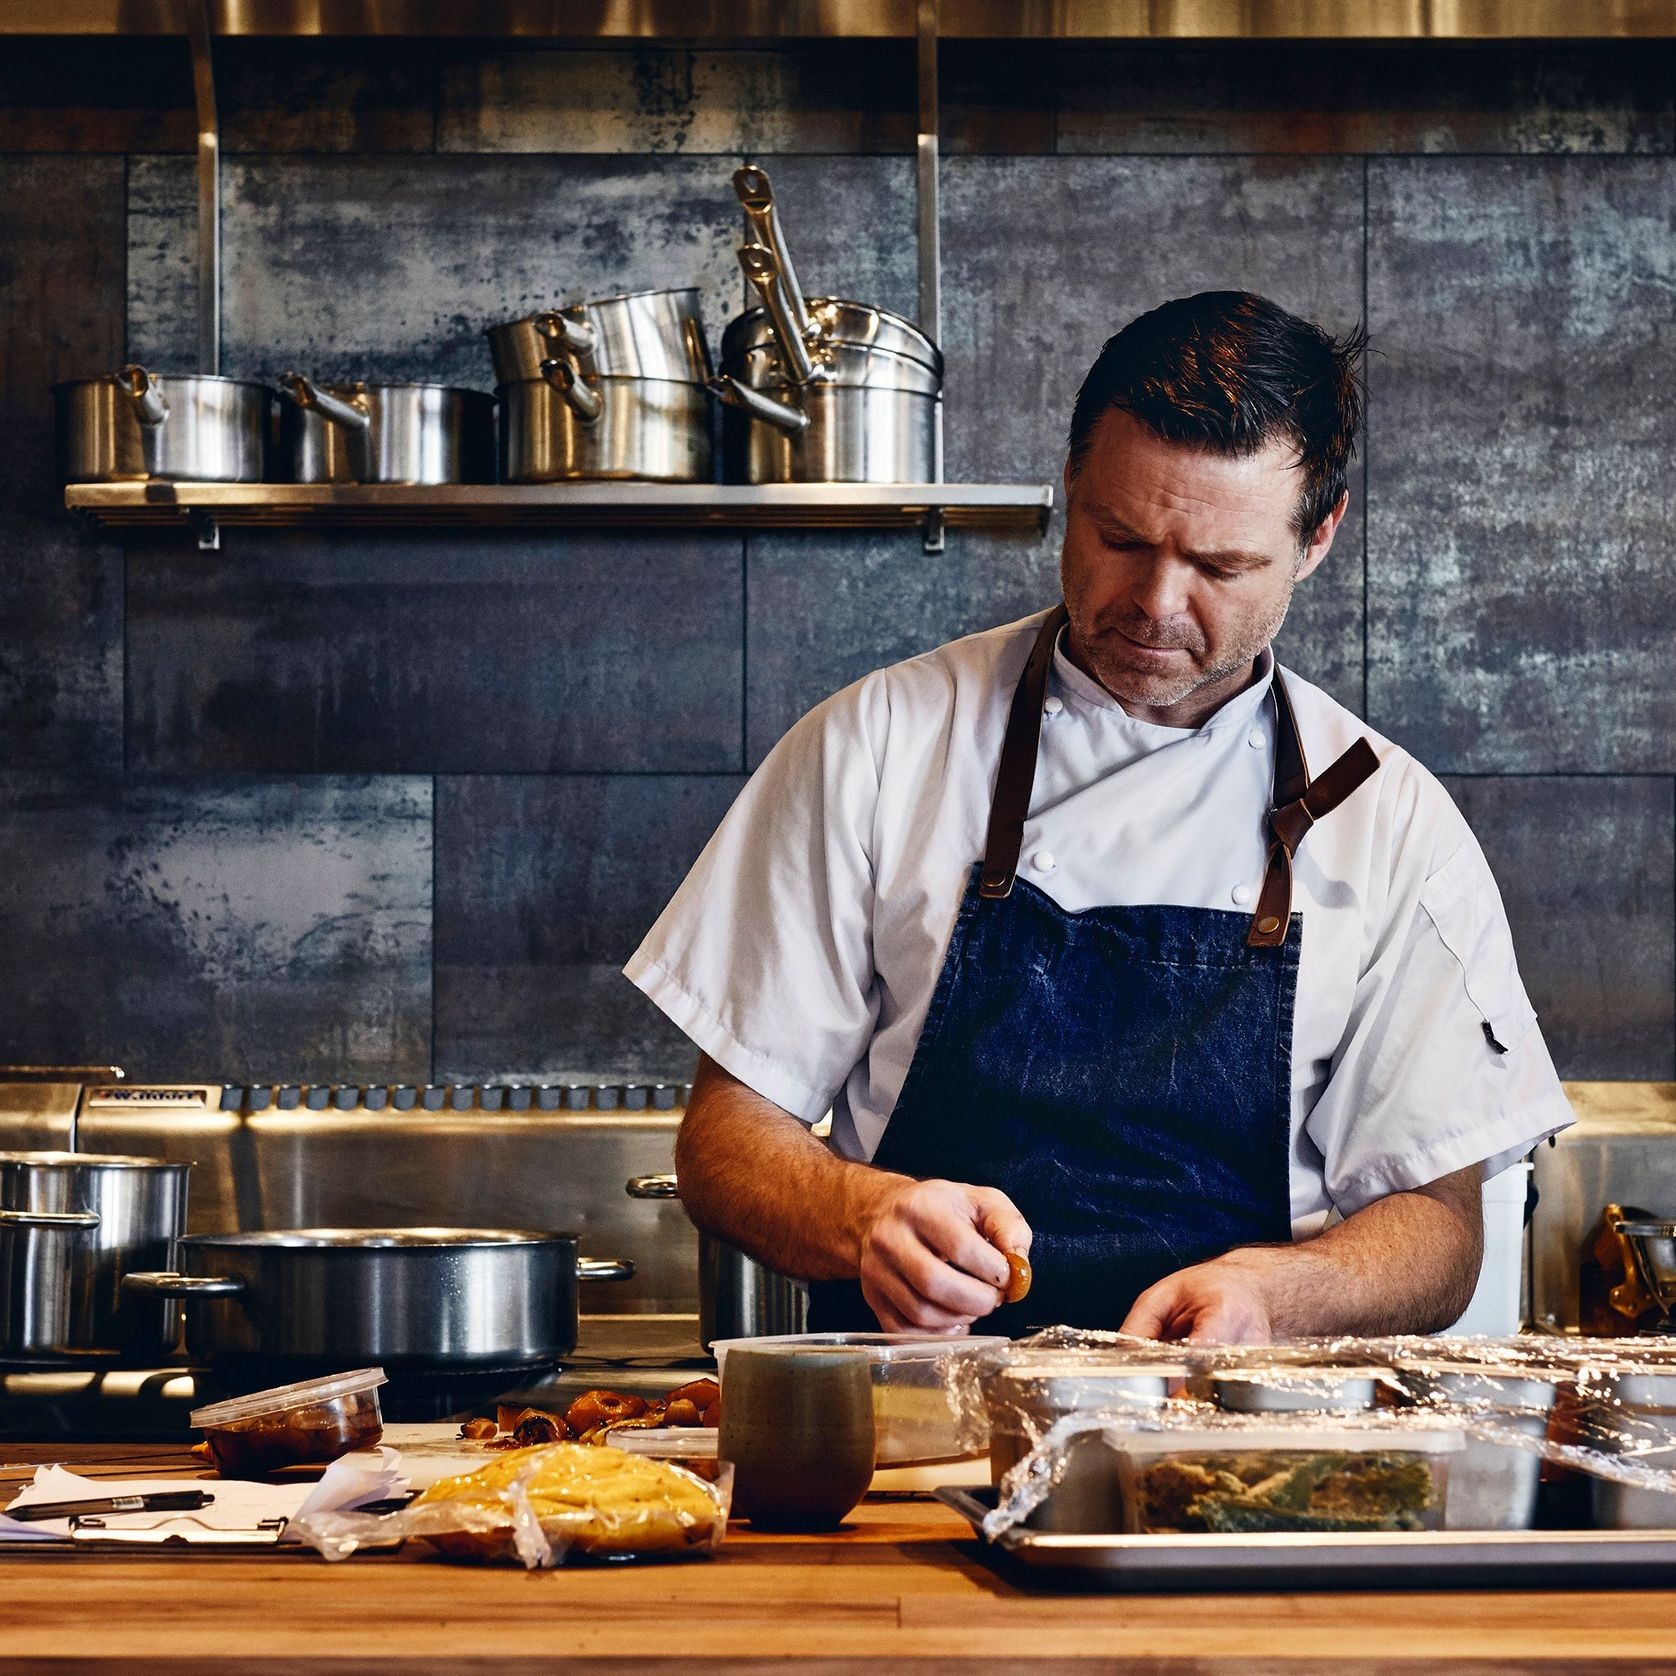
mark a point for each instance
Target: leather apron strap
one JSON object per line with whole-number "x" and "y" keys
{"x": 1299, "y": 802}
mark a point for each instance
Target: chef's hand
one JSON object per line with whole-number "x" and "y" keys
{"x": 932, "y": 1255}
{"x": 1221, "y": 1302}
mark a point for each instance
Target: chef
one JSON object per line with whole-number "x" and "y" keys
{"x": 1105, "y": 940}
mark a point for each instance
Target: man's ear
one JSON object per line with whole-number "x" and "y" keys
{"x": 1322, "y": 540}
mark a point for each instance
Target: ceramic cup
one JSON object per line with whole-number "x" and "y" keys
{"x": 797, "y": 1424}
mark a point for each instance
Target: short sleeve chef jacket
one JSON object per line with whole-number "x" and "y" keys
{"x": 802, "y": 950}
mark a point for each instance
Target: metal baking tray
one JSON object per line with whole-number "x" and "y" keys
{"x": 1293, "y": 1562}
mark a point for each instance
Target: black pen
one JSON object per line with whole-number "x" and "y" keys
{"x": 161, "y": 1501}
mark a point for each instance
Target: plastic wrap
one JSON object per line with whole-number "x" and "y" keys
{"x": 1601, "y": 1407}
{"x": 545, "y": 1505}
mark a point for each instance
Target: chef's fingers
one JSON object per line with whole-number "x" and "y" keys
{"x": 901, "y": 1309}
{"x": 1000, "y": 1223}
{"x": 917, "y": 1258}
{"x": 1158, "y": 1311}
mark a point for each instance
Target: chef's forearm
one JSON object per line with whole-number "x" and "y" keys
{"x": 753, "y": 1175}
{"x": 1407, "y": 1263}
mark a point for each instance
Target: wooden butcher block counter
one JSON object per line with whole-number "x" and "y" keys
{"x": 901, "y": 1588}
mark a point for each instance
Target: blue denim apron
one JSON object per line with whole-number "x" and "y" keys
{"x": 1122, "y": 1074}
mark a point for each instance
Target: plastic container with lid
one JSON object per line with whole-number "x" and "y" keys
{"x": 1494, "y": 1481}
{"x": 914, "y": 1416}
{"x": 306, "y": 1424}
{"x": 1235, "y": 1480}
{"x": 1026, "y": 1392}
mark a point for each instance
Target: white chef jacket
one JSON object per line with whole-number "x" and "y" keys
{"x": 802, "y": 949}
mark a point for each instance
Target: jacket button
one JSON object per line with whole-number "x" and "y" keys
{"x": 1043, "y": 861}
{"x": 1052, "y": 706}
{"x": 1241, "y": 894}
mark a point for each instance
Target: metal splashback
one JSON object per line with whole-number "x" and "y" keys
{"x": 356, "y": 1156}
{"x": 1622, "y": 1150}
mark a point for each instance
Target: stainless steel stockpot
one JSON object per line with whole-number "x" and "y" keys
{"x": 180, "y": 427}
{"x": 72, "y": 1225}
{"x": 738, "y": 1297}
{"x": 402, "y": 1297}
{"x": 385, "y": 433}
{"x": 562, "y": 426}
{"x": 641, "y": 334}
{"x": 867, "y": 416}
{"x": 822, "y": 389}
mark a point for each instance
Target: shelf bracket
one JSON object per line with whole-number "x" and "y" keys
{"x": 936, "y": 523}
{"x": 206, "y": 527}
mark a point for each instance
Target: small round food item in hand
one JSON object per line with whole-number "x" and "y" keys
{"x": 1018, "y": 1277}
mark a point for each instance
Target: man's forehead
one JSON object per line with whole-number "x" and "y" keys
{"x": 1131, "y": 474}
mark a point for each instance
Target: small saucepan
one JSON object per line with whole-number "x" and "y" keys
{"x": 136, "y": 425}
{"x": 385, "y": 433}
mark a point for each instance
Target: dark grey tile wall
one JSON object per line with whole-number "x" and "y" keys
{"x": 238, "y": 928}
{"x": 545, "y": 886}
{"x": 228, "y": 782}
{"x": 469, "y": 653}
{"x": 61, "y": 222}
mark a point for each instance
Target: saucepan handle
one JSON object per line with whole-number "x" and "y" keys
{"x": 333, "y": 409}
{"x": 575, "y": 335}
{"x": 66, "y": 1219}
{"x": 149, "y": 406}
{"x": 653, "y": 1187}
{"x": 792, "y": 420}
{"x": 165, "y": 1284}
{"x": 604, "y": 1268}
{"x": 580, "y": 397}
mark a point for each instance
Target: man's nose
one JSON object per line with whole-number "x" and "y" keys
{"x": 1160, "y": 588}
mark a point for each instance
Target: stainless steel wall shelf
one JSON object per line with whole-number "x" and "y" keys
{"x": 1023, "y": 508}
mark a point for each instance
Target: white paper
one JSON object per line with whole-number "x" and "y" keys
{"x": 239, "y": 1505}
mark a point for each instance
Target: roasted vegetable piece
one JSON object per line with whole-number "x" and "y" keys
{"x": 478, "y": 1427}
{"x": 1018, "y": 1277}
{"x": 699, "y": 1392}
{"x": 601, "y": 1408}
{"x": 681, "y": 1412}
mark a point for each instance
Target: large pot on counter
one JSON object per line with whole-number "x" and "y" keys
{"x": 821, "y": 389}
{"x": 176, "y": 427}
{"x": 738, "y": 1297}
{"x": 406, "y": 1298}
{"x": 73, "y": 1227}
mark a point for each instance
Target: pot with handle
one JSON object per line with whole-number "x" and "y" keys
{"x": 73, "y": 1225}
{"x": 822, "y": 389}
{"x": 136, "y": 425}
{"x": 563, "y": 426}
{"x": 738, "y": 1297}
{"x": 428, "y": 1298}
{"x": 385, "y": 433}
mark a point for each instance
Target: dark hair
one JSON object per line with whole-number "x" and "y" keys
{"x": 1230, "y": 372}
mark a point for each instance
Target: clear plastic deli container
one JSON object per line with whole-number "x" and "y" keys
{"x": 306, "y": 1424}
{"x": 1281, "y": 1390}
{"x": 1245, "y": 1481}
{"x": 913, "y": 1412}
{"x": 1026, "y": 1395}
